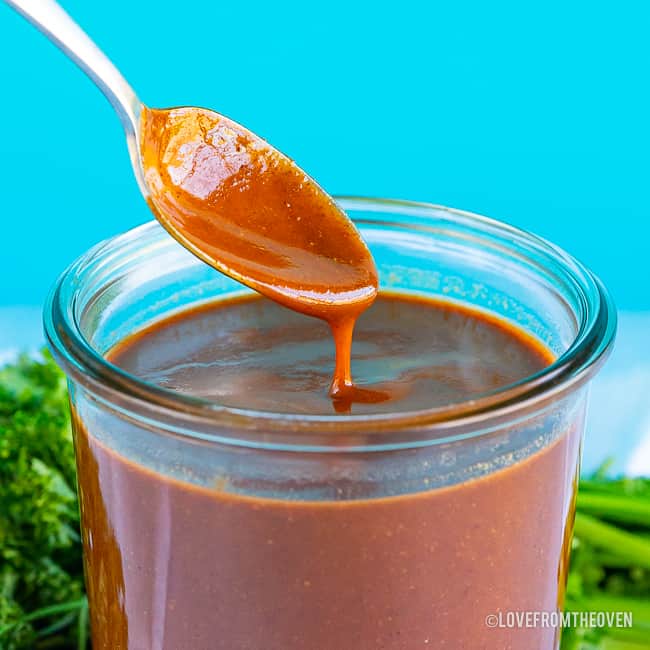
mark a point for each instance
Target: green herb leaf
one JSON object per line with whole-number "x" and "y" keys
{"x": 41, "y": 578}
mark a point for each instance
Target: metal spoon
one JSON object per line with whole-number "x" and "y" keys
{"x": 228, "y": 196}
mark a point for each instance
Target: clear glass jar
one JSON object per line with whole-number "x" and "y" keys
{"x": 208, "y": 527}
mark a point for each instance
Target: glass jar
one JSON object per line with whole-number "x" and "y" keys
{"x": 208, "y": 527}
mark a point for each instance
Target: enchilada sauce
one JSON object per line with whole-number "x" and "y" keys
{"x": 176, "y": 565}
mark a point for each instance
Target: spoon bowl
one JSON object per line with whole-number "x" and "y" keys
{"x": 249, "y": 211}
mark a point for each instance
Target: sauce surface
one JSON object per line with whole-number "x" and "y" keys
{"x": 250, "y": 212}
{"x": 176, "y": 565}
{"x": 250, "y": 353}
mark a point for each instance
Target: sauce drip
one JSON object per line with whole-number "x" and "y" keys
{"x": 250, "y": 212}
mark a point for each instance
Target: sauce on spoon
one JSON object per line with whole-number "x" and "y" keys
{"x": 250, "y": 212}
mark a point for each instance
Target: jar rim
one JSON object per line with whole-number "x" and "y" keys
{"x": 592, "y": 343}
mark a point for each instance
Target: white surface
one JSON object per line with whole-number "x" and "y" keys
{"x": 20, "y": 329}
{"x": 619, "y": 415}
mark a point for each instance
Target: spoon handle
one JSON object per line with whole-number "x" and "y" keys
{"x": 51, "y": 19}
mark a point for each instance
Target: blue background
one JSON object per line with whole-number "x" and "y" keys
{"x": 535, "y": 113}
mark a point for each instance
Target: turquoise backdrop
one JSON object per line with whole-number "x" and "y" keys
{"x": 533, "y": 112}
